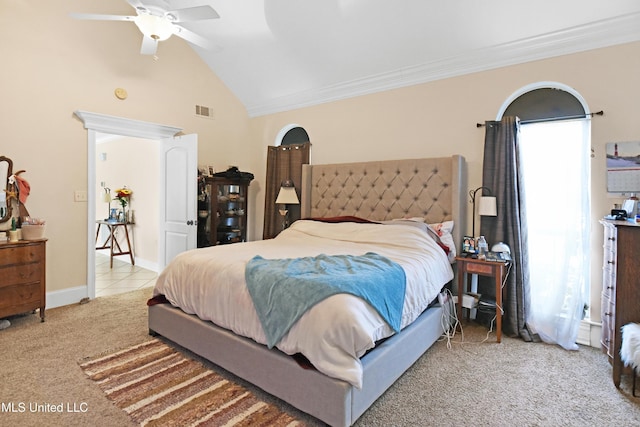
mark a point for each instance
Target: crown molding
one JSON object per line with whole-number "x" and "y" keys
{"x": 127, "y": 127}
{"x": 599, "y": 34}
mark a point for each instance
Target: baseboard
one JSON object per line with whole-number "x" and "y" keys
{"x": 66, "y": 296}
{"x": 589, "y": 333}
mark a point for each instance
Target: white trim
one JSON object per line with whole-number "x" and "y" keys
{"x": 127, "y": 127}
{"x": 66, "y": 296}
{"x": 541, "y": 85}
{"x": 605, "y": 33}
{"x": 283, "y": 132}
{"x": 97, "y": 123}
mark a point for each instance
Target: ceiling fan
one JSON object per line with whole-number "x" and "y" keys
{"x": 158, "y": 22}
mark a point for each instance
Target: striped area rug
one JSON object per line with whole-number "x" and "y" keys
{"x": 159, "y": 386}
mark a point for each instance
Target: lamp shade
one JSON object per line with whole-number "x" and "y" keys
{"x": 487, "y": 206}
{"x": 157, "y": 27}
{"x": 287, "y": 196}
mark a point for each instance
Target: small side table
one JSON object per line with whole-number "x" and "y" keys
{"x": 482, "y": 268}
{"x": 112, "y": 243}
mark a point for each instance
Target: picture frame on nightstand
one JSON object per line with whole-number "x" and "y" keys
{"x": 469, "y": 245}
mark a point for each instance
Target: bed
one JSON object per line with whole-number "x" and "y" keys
{"x": 386, "y": 192}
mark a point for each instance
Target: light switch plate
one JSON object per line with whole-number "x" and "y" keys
{"x": 80, "y": 196}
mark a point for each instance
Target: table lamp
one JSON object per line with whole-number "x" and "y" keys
{"x": 286, "y": 196}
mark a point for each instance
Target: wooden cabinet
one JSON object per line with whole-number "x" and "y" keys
{"x": 22, "y": 277}
{"x": 620, "y": 286}
{"x": 227, "y": 211}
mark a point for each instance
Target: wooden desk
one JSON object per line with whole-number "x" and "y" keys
{"x": 112, "y": 243}
{"x": 481, "y": 268}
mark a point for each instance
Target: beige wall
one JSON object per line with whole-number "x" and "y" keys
{"x": 439, "y": 119}
{"x": 54, "y": 65}
{"x": 134, "y": 163}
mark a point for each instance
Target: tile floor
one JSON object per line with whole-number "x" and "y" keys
{"x": 123, "y": 277}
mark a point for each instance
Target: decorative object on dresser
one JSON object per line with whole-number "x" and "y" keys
{"x": 226, "y": 203}
{"x": 620, "y": 287}
{"x": 22, "y": 277}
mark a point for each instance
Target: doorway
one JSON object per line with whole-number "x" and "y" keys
{"x": 97, "y": 124}
{"x": 132, "y": 163}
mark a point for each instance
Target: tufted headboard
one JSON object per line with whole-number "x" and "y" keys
{"x": 433, "y": 188}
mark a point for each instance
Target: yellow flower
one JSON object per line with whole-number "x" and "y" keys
{"x": 122, "y": 195}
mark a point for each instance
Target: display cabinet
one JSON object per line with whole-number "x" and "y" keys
{"x": 223, "y": 215}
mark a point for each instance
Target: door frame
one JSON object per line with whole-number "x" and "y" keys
{"x": 101, "y": 123}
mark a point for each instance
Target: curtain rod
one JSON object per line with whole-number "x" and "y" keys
{"x": 553, "y": 119}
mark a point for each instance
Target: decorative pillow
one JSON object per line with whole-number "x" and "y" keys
{"x": 343, "y": 219}
{"x": 444, "y": 230}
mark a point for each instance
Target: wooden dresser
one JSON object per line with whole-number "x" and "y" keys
{"x": 620, "y": 286}
{"x": 22, "y": 277}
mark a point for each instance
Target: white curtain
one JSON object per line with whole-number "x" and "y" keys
{"x": 556, "y": 167}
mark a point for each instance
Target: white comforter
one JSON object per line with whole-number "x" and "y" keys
{"x": 334, "y": 334}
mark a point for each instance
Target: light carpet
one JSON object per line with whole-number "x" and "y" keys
{"x": 156, "y": 385}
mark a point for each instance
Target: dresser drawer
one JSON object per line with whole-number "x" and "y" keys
{"x": 20, "y": 274}
{"x": 23, "y": 295}
{"x": 480, "y": 268}
{"x": 608, "y": 281}
{"x": 22, "y": 254}
{"x": 610, "y": 237}
{"x": 608, "y": 322}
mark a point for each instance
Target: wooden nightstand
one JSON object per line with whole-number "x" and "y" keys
{"x": 482, "y": 268}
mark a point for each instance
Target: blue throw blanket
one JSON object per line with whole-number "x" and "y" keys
{"x": 284, "y": 289}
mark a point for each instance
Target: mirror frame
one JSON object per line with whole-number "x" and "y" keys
{"x": 8, "y": 214}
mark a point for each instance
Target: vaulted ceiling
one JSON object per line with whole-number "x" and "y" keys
{"x": 277, "y": 55}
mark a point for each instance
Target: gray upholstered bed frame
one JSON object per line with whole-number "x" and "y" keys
{"x": 431, "y": 188}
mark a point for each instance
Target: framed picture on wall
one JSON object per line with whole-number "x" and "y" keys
{"x": 623, "y": 167}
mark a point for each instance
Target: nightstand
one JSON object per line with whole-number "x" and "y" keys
{"x": 482, "y": 268}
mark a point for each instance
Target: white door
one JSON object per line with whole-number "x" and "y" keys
{"x": 178, "y": 192}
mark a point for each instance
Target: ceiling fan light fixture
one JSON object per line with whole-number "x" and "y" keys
{"x": 156, "y": 27}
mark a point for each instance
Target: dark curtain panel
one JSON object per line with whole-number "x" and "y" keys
{"x": 283, "y": 162}
{"x": 502, "y": 175}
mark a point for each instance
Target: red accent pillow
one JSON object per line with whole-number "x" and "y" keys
{"x": 344, "y": 219}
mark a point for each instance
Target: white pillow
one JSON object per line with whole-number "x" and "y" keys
{"x": 444, "y": 230}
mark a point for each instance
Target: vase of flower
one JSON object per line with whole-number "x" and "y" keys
{"x": 123, "y": 196}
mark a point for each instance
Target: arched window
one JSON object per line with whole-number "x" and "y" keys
{"x": 554, "y": 148}
{"x": 297, "y": 135}
{"x": 290, "y": 135}
{"x": 284, "y": 163}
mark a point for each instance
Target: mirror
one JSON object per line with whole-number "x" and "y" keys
{"x": 6, "y": 170}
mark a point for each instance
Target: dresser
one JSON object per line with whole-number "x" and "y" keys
{"x": 22, "y": 277}
{"x": 620, "y": 286}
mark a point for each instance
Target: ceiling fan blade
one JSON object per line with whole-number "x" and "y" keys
{"x": 149, "y": 46}
{"x": 192, "y": 37}
{"x": 189, "y": 14}
{"x": 136, "y": 4}
{"x": 96, "y": 17}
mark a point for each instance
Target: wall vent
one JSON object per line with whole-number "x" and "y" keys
{"x": 203, "y": 111}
